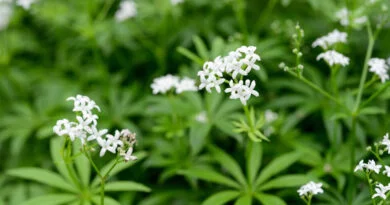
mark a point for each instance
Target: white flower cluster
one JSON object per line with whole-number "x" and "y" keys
{"x": 165, "y": 83}
{"x": 380, "y": 190}
{"x": 333, "y": 57}
{"x": 127, "y": 9}
{"x": 238, "y": 62}
{"x": 386, "y": 142}
{"x": 370, "y": 166}
{"x": 379, "y": 67}
{"x": 310, "y": 188}
{"x": 5, "y": 13}
{"x": 343, "y": 15}
{"x": 86, "y": 130}
{"x": 330, "y": 39}
{"x": 175, "y": 2}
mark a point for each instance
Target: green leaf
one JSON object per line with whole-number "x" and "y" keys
{"x": 244, "y": 200}
{"x": 209, "y": 175}
{"x": 276, "y": 166}
{"x": 125, "y": 186}
{"x": 55, "y": 150}
{"x": 285, "y": 182}
{"x": 42, "y": 176}
{"x": 228, "y": 163}
{"x": 82, "y": 163}
{"x": 267, "y": 199}
{"x": 117, "y": 168}
{"x": 372, "y": 111}
{"x": 198, "y": 134}
{"x": 107, "y": 200}
{"x": 190, "y": 55}
{"x": 51, "y": 199}
{"x": 201, "y": 48}
{"x": 253, "y": 160}
{"x": 221, "y": 198}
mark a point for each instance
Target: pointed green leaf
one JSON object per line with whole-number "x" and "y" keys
{"x": 42, "y": 176}
{"x": 228, "y": 163}
{"x": 267, "y": 199}
{"x": 125, "y": 186}
{"x": 293, "y": 180}
{"x": 201, "y": 48}
{"x": 244, "y": 200}
{"x": 190, "y": 55}
{"x": 198, "y": 134}
{"x": 372, "y": 111}
{"x": 56, "y": 144}
{"x": 210, "y": 175}
{"x": 119, "y": 167}
{"x": 82, "y": 163}
{"x": 276, "y": 166}
{"x": 52, "y": 199}
{"x": 254, "y": 154}
{"x": 221, "y": 198}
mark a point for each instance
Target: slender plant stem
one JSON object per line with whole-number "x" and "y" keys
{"x": 376, "y": 94}
{"x": 371, "y": 189}
{"x": 371, "y": 42}
{"x": 66, "y": 154}
{"x": 351, "y": 186}
{"x": 320, "y": 90}
{"x": 103, "y": 12}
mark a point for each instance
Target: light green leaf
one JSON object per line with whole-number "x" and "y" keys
{"x": 253, "y": 160}
{"x": 244, "y": 200}
{"x": 228, "y": 163}
{"x": 276, "y": 166}
{"x": 190, "y": 55}
{"x": 267, "y": 199}
{"x": 125, "y": 186}
{"x": 119, "y": 167}
{"x": 42, "y": 176}
{"x": 51, "y": 199}
{"x": 82, "y": 163}
{"x": 221, "y": 198}
{"x": 210, "y": 175}
{"x": 107, "y": 200}
{"x": 55, "y": 150}
{"x": 372, "y": 111}
{"x": 201, "y": 48}
{"x": 198, "y": 134}
{"x": 285, "y": 181}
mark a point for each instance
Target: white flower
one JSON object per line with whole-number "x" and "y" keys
{"x": 25, "y": 3}
{"x": 310, "y": 188}
{"x": 381, "y": 191}
{"x": 5, "y": 14}
{"x": 332, "y": 57}
{"x": 330, "y": 39}
{"x": 242, "y": 91}
{"x": 386, "y": 142}
{"x": 379, "y": 67}
{"x": 95, "y": 133}
{"x": 83, "y": 104}
{"x": 127, "y": 9}
{"x": 211, "y": 82}
{"x": 342, "y": 15}
{"x": 360, "y": 166}
{"x": 164, "y": 84}
{"x": 175, "y": 2}
{"x": 372, "y": 166}
{"x": 115, "y": 139}
{"x": 186, "y": 84}
{"x": 62, "y": 127}
{"x": 201, "y": 117}
{"x": 105, "y": 145}
{"x": 270, "y": 116}
{"x": 387, "y": 171}
{"x": 128, "y": 155}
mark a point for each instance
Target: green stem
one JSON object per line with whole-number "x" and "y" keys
{"x": 376, "y": 94}
{"x": 351, "y": 186}
{"x": 309, "y": 199}
{"x": 102, "y": 183}
{"x": 333, "y": 80}
{"x": 371, "y": 189}
{"x": 103, "y": 12}
{"x": 66, "y": 156}
{"x": 320, "y": 90}
{"x": 371, "y": 42}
